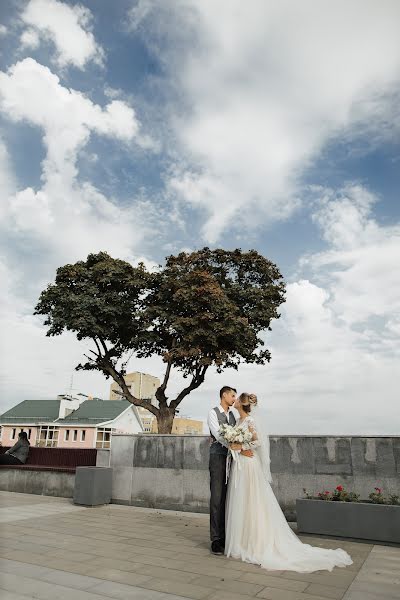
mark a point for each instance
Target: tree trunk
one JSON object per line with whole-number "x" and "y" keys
{"x": 165, "y": 419}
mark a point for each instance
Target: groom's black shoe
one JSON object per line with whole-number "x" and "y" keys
{"x": 216, "y": 547}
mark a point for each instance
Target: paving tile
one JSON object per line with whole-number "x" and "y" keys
{"x": 187, "y": 590}
{"x": 164, "y": 573}
{"x": 228, "y": 585}
{"x": 11, "y": 566}
{"x": 337, "y": 577}
{"x": 277, "y": 594}
{"x": 386, "y": 590}
{"x": 76, "y": 556}
{"x": 327, "y": 591}
{"x": 72, "y": 580}
{"x": 112, "y": 563}
{"x": 6, "y": 595}
{"x": 364, "y": 596}
{"x": 221, "y": 595}
{"x": 120, "y": 576}
{"x": 274, "y": 582}
{"x": 125, "y": 592}
{"x": 391, "y": 576}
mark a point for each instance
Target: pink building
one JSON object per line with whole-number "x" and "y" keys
{"x": 69, "y": 422}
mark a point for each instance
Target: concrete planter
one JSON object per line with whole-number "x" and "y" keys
{"x": 93, "y": 486}
{"x": 362, "y": 520}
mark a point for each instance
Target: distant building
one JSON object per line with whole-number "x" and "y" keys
{"x": 141, "y": 385}
{"x": 180, "y": 426}
{"x": 69, "y": 422}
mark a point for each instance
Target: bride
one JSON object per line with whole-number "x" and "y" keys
{"x": 256, "y": 529}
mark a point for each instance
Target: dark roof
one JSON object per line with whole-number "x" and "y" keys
{"x": 32, "y": 411}
{"x": 96, "y": 411}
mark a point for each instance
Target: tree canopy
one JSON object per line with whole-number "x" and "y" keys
{"x": 202, "y": 309}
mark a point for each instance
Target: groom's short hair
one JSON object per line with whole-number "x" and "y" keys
{"x": 226, "y": 388}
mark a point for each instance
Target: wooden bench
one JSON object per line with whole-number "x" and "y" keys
{"x": 64, "y": 460}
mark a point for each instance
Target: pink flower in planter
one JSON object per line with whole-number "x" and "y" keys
{"x": 339, "y": 488}
{"x": 378, "y": 490}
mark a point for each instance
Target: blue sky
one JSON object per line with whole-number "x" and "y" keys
{"x": 144, "y": 128}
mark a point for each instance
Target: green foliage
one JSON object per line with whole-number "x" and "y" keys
{"x": 202, "y": 309}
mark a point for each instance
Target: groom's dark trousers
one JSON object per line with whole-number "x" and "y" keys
{"x": 218, "y": 489}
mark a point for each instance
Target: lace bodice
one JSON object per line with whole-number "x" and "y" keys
{"x": 249, "y": 423}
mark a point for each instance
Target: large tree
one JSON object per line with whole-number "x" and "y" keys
{"x": 202, "y": 309}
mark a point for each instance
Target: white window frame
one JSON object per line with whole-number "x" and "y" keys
{"x": 13, "y": 433}
{"x": 83, "y": 435}
{"x": 50, "y": 440}
{"x": 102, "y": 442}
{"x": 75, "y": 435}
{"x": 66, "y": 435}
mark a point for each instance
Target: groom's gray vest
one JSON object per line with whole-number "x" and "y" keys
{"x": 216, "y": 447}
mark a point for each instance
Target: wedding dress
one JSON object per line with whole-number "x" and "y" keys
{"x": 256, "y": 529}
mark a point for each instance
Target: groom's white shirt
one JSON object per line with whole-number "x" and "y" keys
{"x": 213, "y": 425}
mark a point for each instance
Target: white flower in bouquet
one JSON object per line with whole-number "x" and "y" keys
{"x": 235, "y": 434}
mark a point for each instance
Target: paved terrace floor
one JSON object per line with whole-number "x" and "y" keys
{"x": 53, "y": 550}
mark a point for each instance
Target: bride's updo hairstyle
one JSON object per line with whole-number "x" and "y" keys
{"x": 248, "y": 401}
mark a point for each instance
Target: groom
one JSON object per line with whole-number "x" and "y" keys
{"x": 218, "y": 455}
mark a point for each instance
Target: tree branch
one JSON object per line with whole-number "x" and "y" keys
{"x": 106, "y": 365}
{"x": 97, "y": 346}
{"x": 197, "y": 380}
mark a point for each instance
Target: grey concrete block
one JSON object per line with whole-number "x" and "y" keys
{"x": 385, "y": 463}
{"x": 363, "y": 455}
{"x": 169, "y": 488}
{"x": 34, "y": 483}
{"x": 122, "y": 484}
{"x": 93, "y": 486}
{"x": 196, "y": 452}
{"x": 396, "y": 454}
{"x": 196, "y": 490}
{"x": 144, "y": 485}
{"x": 170, "y": 452}
{"x": 292, "y": 455}
{"x": 122, "y": 450}
{"x": 103, "y": 457}
{"x": 333, "y": 455}
{"x": 146, "y": 451}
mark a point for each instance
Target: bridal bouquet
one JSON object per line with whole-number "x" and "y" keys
{"x": 235, "y": 434}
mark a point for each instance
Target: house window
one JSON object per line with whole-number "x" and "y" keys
{"x": 103, "y": 439}
{"x": 14, "y": 431}
{"x": 66, "y": 435}
{"x": 29, "y": 433}
{"x": 48, "y": 437}
{"x": 75, "y": 435}
{"x": 83, "y": 435}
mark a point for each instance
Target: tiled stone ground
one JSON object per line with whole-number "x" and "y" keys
{"x": 53, "y": 550}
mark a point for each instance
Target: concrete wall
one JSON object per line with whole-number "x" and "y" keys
{"x": 45, "y": 483}
{"x": 171, "y": 472}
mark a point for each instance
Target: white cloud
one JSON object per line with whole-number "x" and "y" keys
{"x": 33, "y": 94}
{"x": 66, "y": 26}
{"x": 138, "y": 12}
{"x": 335, "y": 350}
{"x": 362, "y": 258}
{"x": 3, "y": 30}
{"x": 61, "y": 221}
{"x": 30, "y": 39}
{"x": 263, "y": 88}
{"x": 66, "y": 218}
